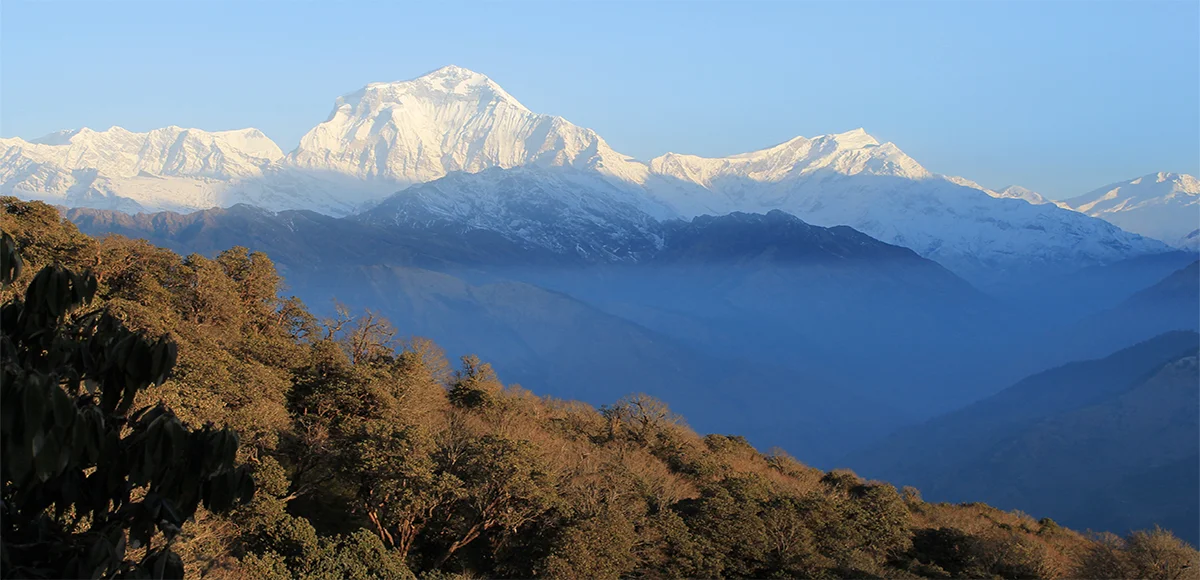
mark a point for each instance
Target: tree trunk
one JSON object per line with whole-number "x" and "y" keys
{"x": 459, "y": 543}
{"x": 384, "y": 535}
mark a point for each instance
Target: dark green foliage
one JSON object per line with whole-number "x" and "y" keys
{"x": 960, "y": 555}
{"x": 89, "y": 487}
{"x": 11, "y": 264}
{"x": 598, "y": 547}
{"x": 950, "y": 550}
{"x": 726, "y": 521}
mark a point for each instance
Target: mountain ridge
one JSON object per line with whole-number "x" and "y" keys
{"x": 1163, "y": 205}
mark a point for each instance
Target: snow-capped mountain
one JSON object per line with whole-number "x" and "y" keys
{"x": 853, "y": 179}
{"x": 449, "y": 120}
{"x": 1164, "y": 206}
{"x": 423, "y": 133}
{"x": 169, "y": 168}
{"x": 172, "y": 169}
{"x": 695, "y": 185}
{"x": 169, "y": 151}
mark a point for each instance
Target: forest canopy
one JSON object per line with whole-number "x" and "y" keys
{"x": 373, "y": 456}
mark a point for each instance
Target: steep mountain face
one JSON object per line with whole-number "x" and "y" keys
{"x": 1164, "y": 206}
{"x": 449, "y": 120}
{"x": 388, "y": 136}
{"x": 1065, "y": 440}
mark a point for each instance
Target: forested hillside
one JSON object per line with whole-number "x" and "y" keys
{"x": 375, "y": 457}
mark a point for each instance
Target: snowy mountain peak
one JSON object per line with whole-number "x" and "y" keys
{"x": 1184, "y": 183}
{"x": 451, "y": 74}
{"x": 174, "y": 151}
{"x": 1122, "y": 196}
{"x": 855, "y": 139}
{"x": 449, "y": 83}
{"x": 451, "y": 119}
{"x": 1160, "y": 205}
{"x": 850, "y": 153}
{"x": 1162, "y": 176}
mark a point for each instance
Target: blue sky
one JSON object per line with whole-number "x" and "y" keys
{"x": 1061, "y": 97}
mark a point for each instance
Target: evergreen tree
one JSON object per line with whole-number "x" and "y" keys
{"x": 91, "y": 489}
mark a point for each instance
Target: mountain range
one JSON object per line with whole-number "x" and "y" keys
{"x": 453, "y": 147}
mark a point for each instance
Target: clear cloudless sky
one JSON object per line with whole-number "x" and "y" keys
{"x": 1061, "y": 97}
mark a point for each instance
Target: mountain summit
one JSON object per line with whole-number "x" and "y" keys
{"x": 723, "y": 179}
{"x": 451, "y": 119}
